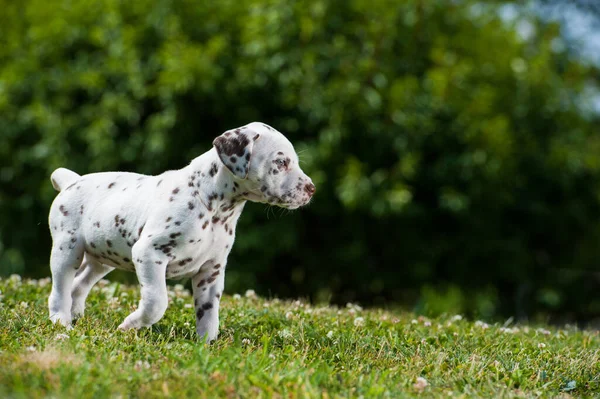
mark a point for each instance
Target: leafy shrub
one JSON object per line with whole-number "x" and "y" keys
{"x": 447, "y": 150}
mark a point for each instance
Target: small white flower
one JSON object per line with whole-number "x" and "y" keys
{"x": 289, "y": 315}
{"x": 427, "y": 324}
{"x": 330, "y": 334}
{"x": 359, "y": 322}
{"x": 14, "y": 278}
{"x": 23, "y": 305}
{"x": 285, "y": 333}
{"x": 421, "y": 384}
{"x": 178, "y": 287}
{"x": 250, "y": 294}
{"x": 271, "y": 356}
{"x": 455, "y": 334}
{"x": 541, "y": 345}
{"x": 236, "y": 296}
{"x": 188, "y": 305}
{"x": 245, "y": 341}
{"x": 413, "y": 321}
{"x": 139, "y": 365}
{"x": 482, "y": 324}
{"x": 187, "y": 324}
{"x": 30, "y": 349}
{"x": 60, "y": 337}
{"x": 456, "y": 317}
{"x": 543, "y": 331}
{"x": 44, "y": 281}
{"x": 266, "y": 305}
{"x": 103, "y": 283}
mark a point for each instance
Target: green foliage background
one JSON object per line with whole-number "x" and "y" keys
{"x": 457, "y": 163}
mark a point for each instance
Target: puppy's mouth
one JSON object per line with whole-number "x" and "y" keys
{"x": 289, "y": 202}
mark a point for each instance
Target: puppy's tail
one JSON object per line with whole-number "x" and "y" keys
{"x": 62, "y": 178}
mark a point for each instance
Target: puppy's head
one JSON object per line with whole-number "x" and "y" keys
{"x": 265, "y": 164}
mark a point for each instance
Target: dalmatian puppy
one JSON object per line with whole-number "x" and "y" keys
{"x": 180, "y": 224}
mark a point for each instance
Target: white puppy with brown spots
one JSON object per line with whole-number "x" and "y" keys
{"x": 175, "y": 225}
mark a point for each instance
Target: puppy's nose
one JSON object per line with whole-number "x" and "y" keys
{"x": 310, "y": 188}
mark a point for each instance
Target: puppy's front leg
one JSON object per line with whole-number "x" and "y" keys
{"x": 150, "y": 268}
{"x": 207, "y": 286}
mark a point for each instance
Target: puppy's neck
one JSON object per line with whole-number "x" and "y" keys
{"x": 214, "y": 185}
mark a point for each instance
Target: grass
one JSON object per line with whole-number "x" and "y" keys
{"x": 273, "y": 348}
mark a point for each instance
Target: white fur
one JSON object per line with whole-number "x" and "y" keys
{"x": 174, "y": 225}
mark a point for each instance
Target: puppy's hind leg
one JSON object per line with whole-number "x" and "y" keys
{"x": 65, "y": 260}
{"x": 150, "y": 268}
{"x": 89, "y": 274}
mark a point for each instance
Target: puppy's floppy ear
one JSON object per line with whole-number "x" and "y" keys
{"x": 234, "y": 148}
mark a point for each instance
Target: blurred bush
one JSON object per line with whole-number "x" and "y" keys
{"x": 454, "y": 159}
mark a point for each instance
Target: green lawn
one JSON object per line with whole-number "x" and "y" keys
{"x": 272, "y": 348}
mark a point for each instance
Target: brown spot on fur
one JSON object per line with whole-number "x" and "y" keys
{"x": 191, "y": 206}
{"x": 213, "y": 169}
{"x": 63, "y": 210}
{"x": 204, "y": 225}
{"x": 109, "y": 243}
{"x": 111, "y": 185}
{"x": 175, "y": 191}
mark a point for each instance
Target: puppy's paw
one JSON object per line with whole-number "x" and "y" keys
{"x": 61, "y": 319}
{"x": 208, "y": 333}
{"x": 77, "y": 310}
{"x": 133, "y": 321}
{"x": 127, "y": 325}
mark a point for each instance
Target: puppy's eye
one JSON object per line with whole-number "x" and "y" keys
{"x": 282, "y": 162}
